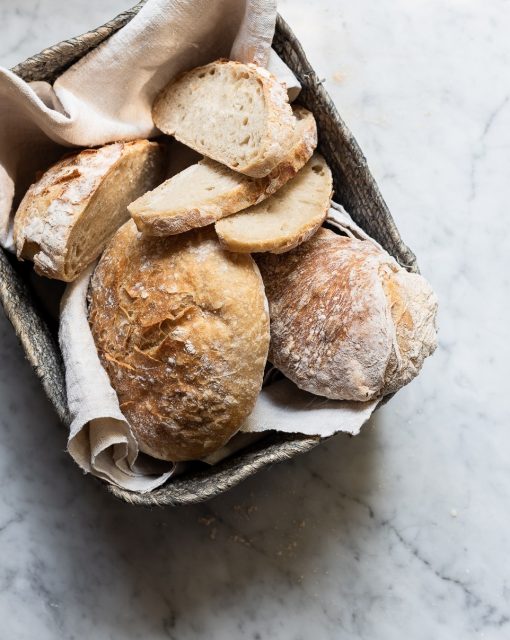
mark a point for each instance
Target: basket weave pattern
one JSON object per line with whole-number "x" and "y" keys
{"x": 355, "y": 189}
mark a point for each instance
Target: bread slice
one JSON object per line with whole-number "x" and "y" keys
{"x": 208, "y": 191}
{"x": 285, "y": 219}
{"x": 235, "y": 113}
{"x": 67, "y": 217}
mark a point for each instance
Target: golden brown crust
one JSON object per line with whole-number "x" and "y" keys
{"x": 57, "y": 212}
{"x": 300, "y": 151}
{"x": 346, "y": 321}
{"x": 182, "y": 330}
{"x": 413, "y": 308}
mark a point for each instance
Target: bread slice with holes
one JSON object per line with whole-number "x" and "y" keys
{"x": 284, "y": 220}
{"x": 235, "y": 113}
{"x": 67, "y": 216}
{"x": 208, "y": 191}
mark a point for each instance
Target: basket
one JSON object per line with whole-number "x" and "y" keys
{"x": 355, "y": 189}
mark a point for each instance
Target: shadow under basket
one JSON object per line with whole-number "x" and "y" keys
{"x": 354, "y": 188}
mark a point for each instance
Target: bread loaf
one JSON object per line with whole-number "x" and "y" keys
{"x": 67, "y": 217}
{"x": 235, "y": 113}
{"x": 347, "y": 322}
{"x": 208, "y": 191}
{"x": 182, "y": 329}
{"x": 287, "y": 218}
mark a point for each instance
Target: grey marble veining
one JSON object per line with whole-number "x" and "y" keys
{"x": 401, "y": 532}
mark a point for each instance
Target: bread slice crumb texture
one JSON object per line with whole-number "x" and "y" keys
{"x": 237, "y": 114}
{"x": 67, "y": 217}
{"x": 284, "y": 220}
{"x": 208, "y": 191}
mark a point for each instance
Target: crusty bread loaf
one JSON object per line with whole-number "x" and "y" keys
{"x": 208, "y": 191}
{"x": 235, "y": 113}
{"x": 287, "y": 218}
{"x": 182, "y": 329}
{"x": 67, "y": 217}
{"x": 347, "y": 322}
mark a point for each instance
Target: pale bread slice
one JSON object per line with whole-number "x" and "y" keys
{"x": 235, "y": 113}
{"x": 284, "y": 220}
{"x": 208, "y": 191}
{"x": 66, "y": 218}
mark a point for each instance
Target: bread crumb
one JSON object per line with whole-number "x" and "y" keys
{"x": 241, "y": 540}
{"x": 246, "y": 511}
{"x": 339, "y": 76}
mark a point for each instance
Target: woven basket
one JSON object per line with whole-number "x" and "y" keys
{"x": 354, "y": 187}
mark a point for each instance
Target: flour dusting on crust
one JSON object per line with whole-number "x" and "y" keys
{"x": 347, "y": 322}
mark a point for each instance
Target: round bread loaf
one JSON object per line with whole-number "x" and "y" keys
{"x": 182, "y": 329}
{"x": 347, "y": 322}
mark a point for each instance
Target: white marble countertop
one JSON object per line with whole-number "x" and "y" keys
{"x": 402, "y": 532}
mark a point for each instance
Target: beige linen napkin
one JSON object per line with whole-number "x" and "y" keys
{"x": 108, "y": 94}
{"x": 100, "y": 438}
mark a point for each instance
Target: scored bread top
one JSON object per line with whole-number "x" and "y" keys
{"x": 347, "y": 322}
{"x": 290, "y": 216}
{"x": 68, "y": 215}
{"x": 182, "y": 329}
{"x": 209, "y": 191}
{"x": 235, "y": 113}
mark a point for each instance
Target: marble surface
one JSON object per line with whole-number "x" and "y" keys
{"x": 402, "y": 532}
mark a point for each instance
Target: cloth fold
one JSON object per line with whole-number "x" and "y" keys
{"x": 100, "y": 439}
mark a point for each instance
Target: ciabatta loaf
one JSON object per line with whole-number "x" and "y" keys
{"x": 286, "y": 219}
{"x": 235, "y": 113}
{"x": 70, "y": 213}
{"x": 208, "y": 191}
{"x": 182, "y": 329}
{"x": 347, "y": 322}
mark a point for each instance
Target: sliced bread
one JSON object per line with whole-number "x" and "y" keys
{"x": 67, "y": 217}
{"x": 284, "y": 220}
{"x": 235, "y": 113}
{"x": 208, "y": 191}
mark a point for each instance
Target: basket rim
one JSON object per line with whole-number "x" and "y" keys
{"x": 215, "y": 480}
{"x": 34, "y": 63}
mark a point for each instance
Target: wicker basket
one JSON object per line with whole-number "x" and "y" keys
{"x": 355, "y": 189}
